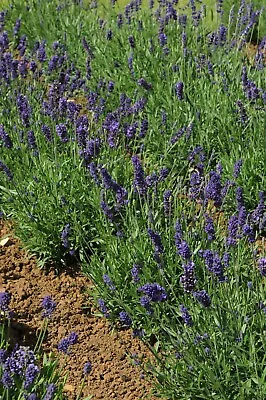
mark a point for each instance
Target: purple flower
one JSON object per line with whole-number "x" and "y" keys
{"x": 107, "y": 280}
{"x": 131, "y": 41}
{"x": 156, "y": 241}
{"x": 167, "y": 203}
{"x": 183, "y": 250}
{"x": 213, "y": 189}
{"x": 103, "y": 308}
{"x": 65, "y": 343}
{"x": 32, "y": 143}
{"x": 47, "y": 132}
{"x": 140, "y": 184}
{"x": 185, "y": 315}
{"x": 179, "y": 89}
{"x": 162, "y": 39}
{"x": 65, "y": 235}
{"x": 49, "y": 306}
{"x": 243, "y": 118}
{"x": 143, "y": 83}
{"x": 50, "y": 392}
{"x": 31, "y": 372}
{"x": 188, "y": 279}
{"x": 87, "y": 368}
{"x": 24, "y": 109}
{"x": 7, "y": 380}
{"x": 5, "y": 298}
{"x": 4, "y": 136}
{"x": 232, "y": 228}
{"x": 61, "y": 131}
{"x": 125, "y": 319}
{"x": 203, "y": 298}
{"x": 237, "y": 168}
{"x": 209, "y": 227}
{"x": 135, "y": 273}
{"x": 109, "y": 34}
{"x": 154, "y": 292}
{"x": 145, "y": 302}
{"x": 262, "y": 266}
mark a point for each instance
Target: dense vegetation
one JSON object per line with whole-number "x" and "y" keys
{"x": 133, "y": 143}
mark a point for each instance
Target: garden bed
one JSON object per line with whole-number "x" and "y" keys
{"x": 113, "y": 375}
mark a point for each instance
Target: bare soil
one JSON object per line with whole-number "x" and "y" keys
{"x": 113, "y": 376}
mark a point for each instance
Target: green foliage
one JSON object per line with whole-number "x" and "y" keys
{"x": 84, "y": 198}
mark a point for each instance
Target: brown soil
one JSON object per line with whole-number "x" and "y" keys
{"x": 113, "y": 374}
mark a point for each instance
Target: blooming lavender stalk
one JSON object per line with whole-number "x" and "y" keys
{"x": 65, "y": 235}
{"x": 61, "y": 131}
{"x": 87, "y": 368}
{"x": 65, "y": 343}
{"x": 209, "y": 227}
{"x": 154, "y": 292}
{"x": 179, "y": 89}
{"x": 185, "y": 315}
{"x": 167, "y": 203}
{"x": 48, "y": 306}
{"x": 50, "y": 392}
{"x": 203, "y": 298}
{"x": 156, "y": 241}
{"x": 103, "y": 308}
{"x": 140, "y": 184}
{"x": 108, "y": 281}
{"x": 5, "y": 299}
{"x": 6, "y": 171}
{"x": 262, "y": 266}
{"x": 125, "y": 318}
{"x": 135, "y": 273}
{"x": 188, "y": 279}
{"x": 4, "y": 136}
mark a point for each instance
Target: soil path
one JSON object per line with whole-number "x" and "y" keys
{"x": 113, "y": 374}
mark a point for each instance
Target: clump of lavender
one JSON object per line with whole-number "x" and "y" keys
{"x": 65, "y": 343}
{"x": 61, "y": 131}
{"x": 48, "y": 306}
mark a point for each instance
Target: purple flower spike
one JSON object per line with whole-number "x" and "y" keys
{"x": 203, "y": 298}
{"x": 262, "y": 266}
{"x": 154, "y": 292}
{"x": 188, "y": 279}
{"x": 49, "y": 306}
{"x": 179, "y": 89}
{"x": 185, "y": 315}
